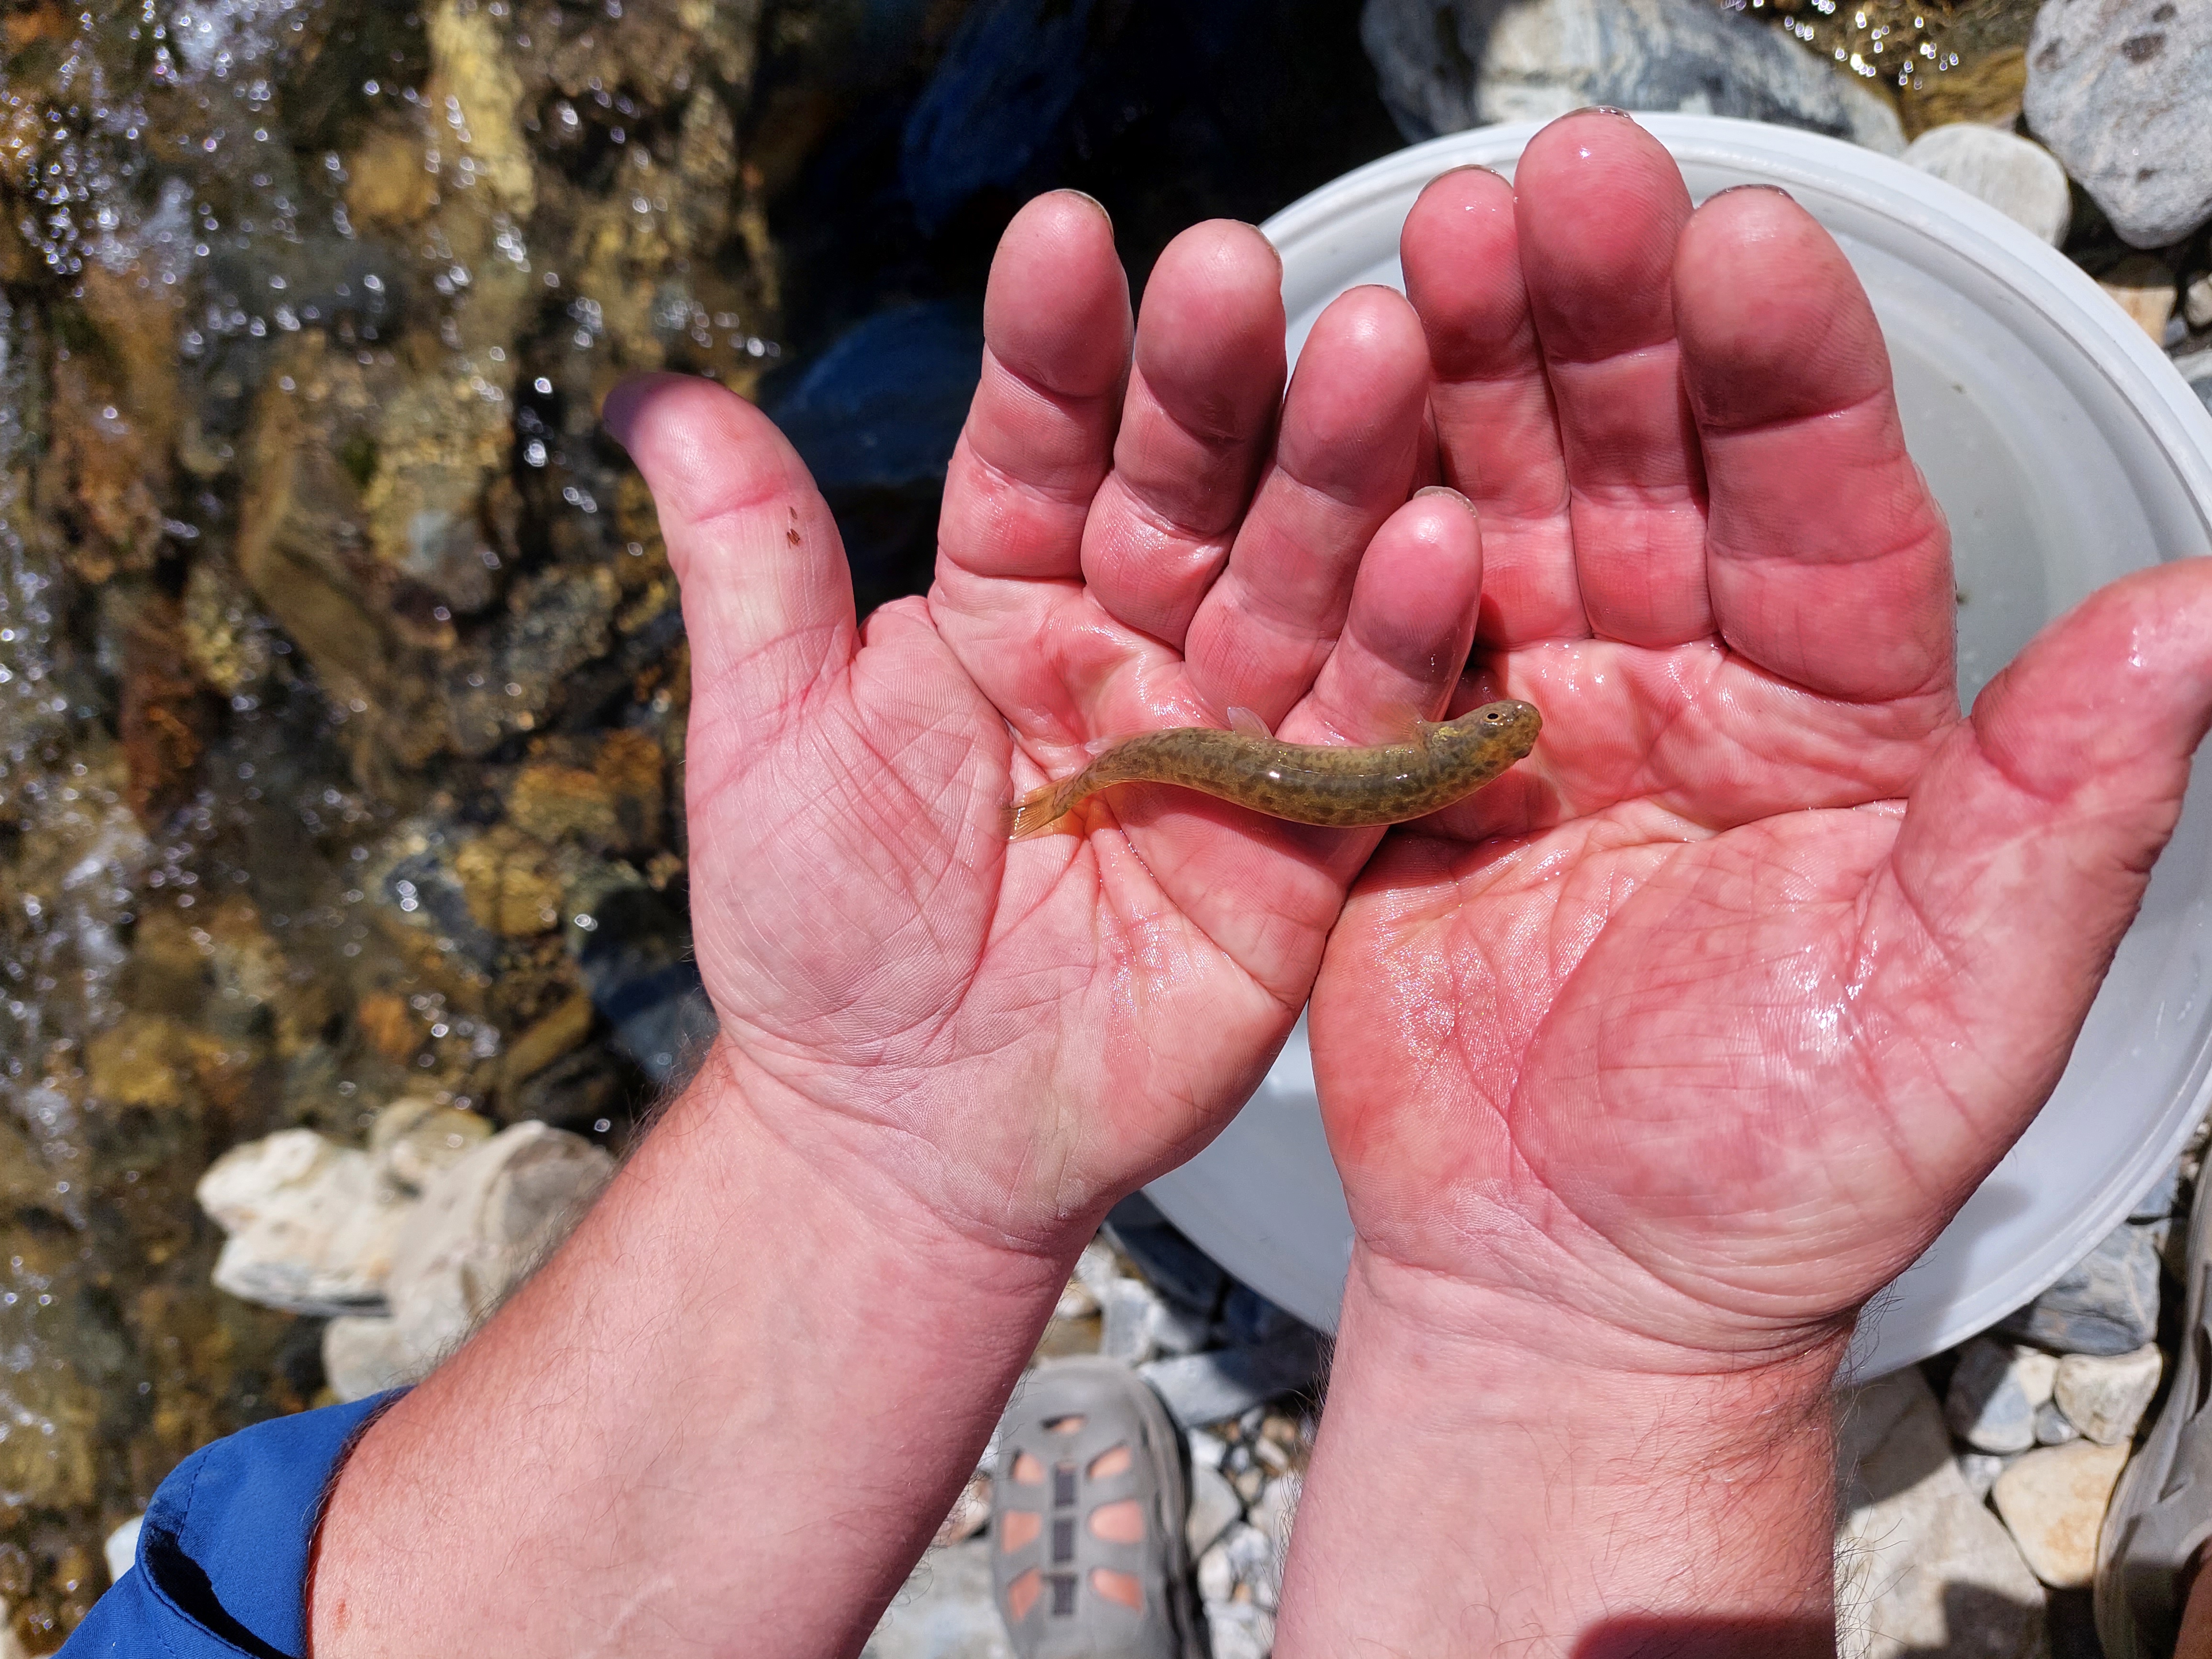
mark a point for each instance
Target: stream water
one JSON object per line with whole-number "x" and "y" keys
{"x": 342, "y": 683}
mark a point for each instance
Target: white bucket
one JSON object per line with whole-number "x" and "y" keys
{"x": 2066, "y": 451}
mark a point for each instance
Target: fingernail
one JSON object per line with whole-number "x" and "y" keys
{"x": 1445, "y": 489}
{"x": 618, "y": 412}
{"x": 1070, "y": 190}
{"x": 1776, "y": 190}
{"x": 1263, "y": 235}
{"x": 1601, "y": 109}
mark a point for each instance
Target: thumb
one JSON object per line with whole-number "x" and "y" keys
{"x": 767, "y": 600}
{"x": 2028, "y": 841}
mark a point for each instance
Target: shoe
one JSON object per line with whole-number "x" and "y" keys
{"x": 1083, "y": 1439}
{"x": 2162, "y": 1515}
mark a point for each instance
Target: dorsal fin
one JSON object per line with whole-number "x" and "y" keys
{"x": 1242, "y": 720}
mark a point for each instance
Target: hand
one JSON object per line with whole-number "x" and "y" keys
{"x": 1700, "y": 1025}
{"x": 1016, "y": 1035}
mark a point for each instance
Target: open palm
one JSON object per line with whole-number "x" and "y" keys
{"x": 1131, "y": 539}
{"x": 1703, "y": 1023}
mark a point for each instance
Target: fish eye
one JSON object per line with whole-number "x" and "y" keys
{"x": 1493, "y": 717}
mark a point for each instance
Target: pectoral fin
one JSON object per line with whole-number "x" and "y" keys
{"x": 1242, "y": 719}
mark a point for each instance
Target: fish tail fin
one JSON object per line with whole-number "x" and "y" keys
{"x": 1039, "y": 809}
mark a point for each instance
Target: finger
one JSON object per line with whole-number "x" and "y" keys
{"x": 1601, "y": 204}
{"x": 1828, "y": 561}
{"x": 1041, "y": 431}
{"x": 1195, "y": 423}
{"x": 1496, "y": 428}
{"x": 1407, "y": 635}
{"x": 768, "y": 601}
{"x": 2028, "y": 843}
{"x": 1344, "y": 461}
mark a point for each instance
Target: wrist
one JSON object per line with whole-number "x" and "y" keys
{"x": 1501, "y": 1482}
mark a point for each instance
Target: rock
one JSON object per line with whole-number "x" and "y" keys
{"x": 1208, "y": 1449}
{"x": 2107, "y": 1397}
{"x": 2144, "y": 288}
{"x": 2052, "y": 1426}
{"x": 1075, "y": 1301}
{"x": 2053, "y": 1502}
{"x": 121, "y": 1549}
{"x": 1443, "y": 67}
{"x": 1128, "y": 1308}
{"x": 1980, "y": 1470}
{"x": 2107, "y": 1304}
{"x": 1096, "y": 1268}
{"x": 1241, "y": 1631}
{"x": 944, "y": 1610}
{"x": 511, "y": 883}
{"x": 2121, "y": 92}
{"x": 413, "y": 1138}
{"x": 1277, "y": 1511}
{"x": 1994, "y": 1395}
{"x": 547, "y": 1040}
{"x": 482, "y": 1225}
{"x": 313, "y": 1226}
{"x": 1921, "y": 1566}
{"x": 633, "y": 952}
{"x": 2021, "y": 179}
{"x": 612, "y": 805}
{"x": 364, "y": 1355}
{"x": 1240, "y": 1567}
{"x": 2196, "y": 309}
{"x": 1204, "y": 1388}
{"x": 1213, "y": 1505}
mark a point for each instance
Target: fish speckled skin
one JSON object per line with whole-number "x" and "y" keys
{"x": 1333, "y": 784}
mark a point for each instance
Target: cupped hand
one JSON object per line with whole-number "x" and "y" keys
{"x": 1698, "y": 1026}
{"x": 1140, "y": 529}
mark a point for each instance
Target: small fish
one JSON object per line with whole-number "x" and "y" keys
{"x": 1333, "y": 784}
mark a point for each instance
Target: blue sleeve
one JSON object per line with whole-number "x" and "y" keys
{"x": 222, "y": 1558}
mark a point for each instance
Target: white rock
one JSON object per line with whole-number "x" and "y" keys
{"x": 2021, "y": 179}
{"x": 2121, "y": 92}
{"x": 1918, "y": 1554}
{"x": 413, "y": 1138}
{"x": 2197, "y": 302}
{"x": 1131, "y": 1313}
{"x": 1096, "y": 1268}
{"x": 482, "y": 1224}
{"x": 1076, "y": 1301}
{"x": 1206, "y": 1448}
{"x": 1248, "y": 1556}
{"x": 1217, "y": 1576}
{"x": 2108, "y": 1397}
{"x": 1445, "y": 65}
{"x": 364, "y": 1355}
{"x": 122, "y": 1547}
{"x": 1241, "y": 1631}
{"x": 1994, "y": 1393}
{"x": 313, "y": 1226}
{"x": 1278, "y": 1511}
{"x": 1213, "y": 1506}
{"x": 2053, "y": 1501}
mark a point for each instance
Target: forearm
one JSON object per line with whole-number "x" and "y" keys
{"x": 725, "y": 1418}
{"x": 1473, "y": 1493}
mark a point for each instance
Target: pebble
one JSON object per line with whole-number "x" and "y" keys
{"x": 2052, "y": 1426}
{"x": 1994, "y": 1393}
{"x": 2108, "y": 1397}
{"x": 1241, "y": 1566}
{"x": 2121, "y": 90}
{"x": 1214, "y": 1505}
{"x": 1130, "y": 1311}
{"x": 1241, "y": 1631}
{"x": 2107, "y": 1304}
{"x": 2197, "y": 308}
{"x": 1446, "y": 67}
{"x": 1918, "y": 1554}
{"x": 2144, "y": 288}
{"x": 1206, "y": 1448}
{"x": 2021, "y": 179}
{"x": 1277, "y": 1511}
{"x": 1980, "y": 1470}
{"x": 122, "y": 1547}
{"x": 2053, "y": 1502}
